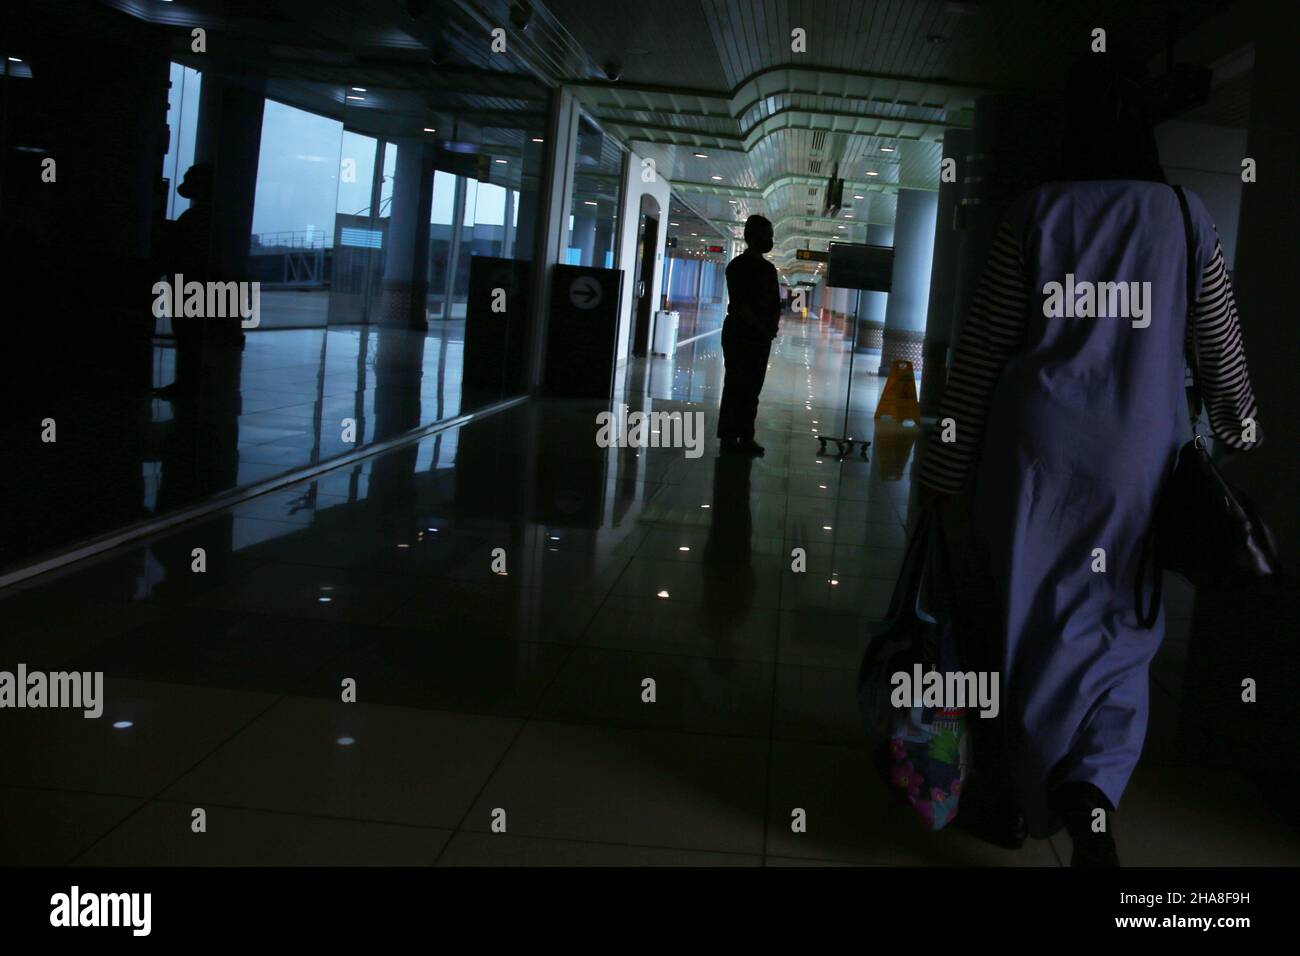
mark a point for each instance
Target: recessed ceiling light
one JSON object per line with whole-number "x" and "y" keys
{"x": 14, "y": 59}
{"x": 674, "y": 224}
{"x": 351, "y": 97}
{"x": 718, "y": 178}
{"x": 538, "y": 139}
{"x": 859, "y": 197}
{"x": 701, "y": 155}
{"x": 589, "y": 202}
{"x": 886, "y": 149}
{"x": 873, "y": 173}
{"x": 734, "y": 202}
{"x": 358, "y": 89}
{"x": 501, "y": 161}
{"x": 430, "y": 129}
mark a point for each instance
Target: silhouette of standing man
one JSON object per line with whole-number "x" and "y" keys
{"x": 753, "y": 313}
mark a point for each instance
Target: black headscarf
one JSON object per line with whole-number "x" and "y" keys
{"x": 1108, "y": 132}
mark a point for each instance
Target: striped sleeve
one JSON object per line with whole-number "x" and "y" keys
{"x": 994, "y": 329}
{"x": 1224, "y": 378}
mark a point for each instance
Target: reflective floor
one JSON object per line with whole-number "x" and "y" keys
{"x": 500, "y": 593}
{"x": 291, "y": 398}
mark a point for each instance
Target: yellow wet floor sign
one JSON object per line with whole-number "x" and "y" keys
{"x": 898, "y": 397}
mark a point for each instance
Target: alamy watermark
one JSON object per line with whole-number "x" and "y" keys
{"x": 79, "y": 690}
{"x": 75, "y": 909}
{"x": 1098, "y": 300}
{"x": 964, "y": 689}
{"x": 651, "y": 430}
{"x": 208, "y": 300}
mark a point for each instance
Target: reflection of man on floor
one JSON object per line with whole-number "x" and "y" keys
{"x": 753, "y": 312}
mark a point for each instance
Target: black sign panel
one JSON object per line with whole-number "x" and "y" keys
{"x": 582, "y": 328}
{"x": 854, "y": 266}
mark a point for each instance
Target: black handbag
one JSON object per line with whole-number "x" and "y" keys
{"x": 1204, "y": 529}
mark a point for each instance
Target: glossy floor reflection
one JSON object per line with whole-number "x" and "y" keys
{"x": 284, "y": 402}
{"x": 519, "y": 687}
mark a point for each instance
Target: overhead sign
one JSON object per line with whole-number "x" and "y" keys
{"x": 858, "y": 266}
{"x": 812, "y": 255}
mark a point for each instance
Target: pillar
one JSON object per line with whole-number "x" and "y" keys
{"x": 1014, "y": 145}
{"x": 909, "y": 291}
{"x": 229, "y": 136}
{"x": 871, "y": 303}
{"x": 584, "y": 237}
{"x": 555, "y": 201}
{"x": 406, "y": 258}
{"x": 943, "y": 276}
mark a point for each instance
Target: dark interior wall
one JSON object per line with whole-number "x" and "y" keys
{"x": 97, "y": 106}
{"x": 1248, "y": 631}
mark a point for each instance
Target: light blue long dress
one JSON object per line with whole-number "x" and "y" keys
{"x": 1083, "y": 420}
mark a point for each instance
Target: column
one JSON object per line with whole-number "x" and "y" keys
{"x": 584, "y": 238}
{"x": 1014, "y": 145}
{"x": 871, "y": 304}
{"x": 555, "y": 201}
{"x": 909, "y": 293}
{"x": 229, "y": 136}
{"x": 943, "y": 277}
{"x": 406, "y": 259}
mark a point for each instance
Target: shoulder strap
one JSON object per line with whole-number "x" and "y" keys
{"x": 1193, "y": 292}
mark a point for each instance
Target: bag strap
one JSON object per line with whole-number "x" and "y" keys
{"x": 1193, "y": 291}
{"x": 908, "y": 585}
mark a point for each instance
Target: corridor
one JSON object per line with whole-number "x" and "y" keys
{"x": 500, "y": 712}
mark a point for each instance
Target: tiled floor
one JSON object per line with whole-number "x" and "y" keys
{"x": 486, "y": 699}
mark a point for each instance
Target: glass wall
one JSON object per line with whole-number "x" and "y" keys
{"x": 182, "y": 123}
{"x": 384, "y": 237}
{"x": 696, "y": 286}
{"x": 298, "y": 175}
{"x": 593, "y": 215}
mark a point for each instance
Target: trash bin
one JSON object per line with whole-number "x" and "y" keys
{"x": 665, "y": 337}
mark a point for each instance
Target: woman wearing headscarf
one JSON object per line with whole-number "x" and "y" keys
{"x": 1068, "y": 420}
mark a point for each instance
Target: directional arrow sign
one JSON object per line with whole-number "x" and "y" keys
{"x": 585, "y": 292}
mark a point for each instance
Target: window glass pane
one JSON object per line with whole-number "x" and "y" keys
{"x": 182, "y": 125}
{"x": 444, "y": 195}
{"x": 593, "y": 217}
{"x": 297, "y": 171}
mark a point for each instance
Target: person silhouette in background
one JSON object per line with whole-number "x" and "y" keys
{"x": 753, "y": 314}
{"x": 1066, "y": 428}
{"x": 186, "y": 251}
